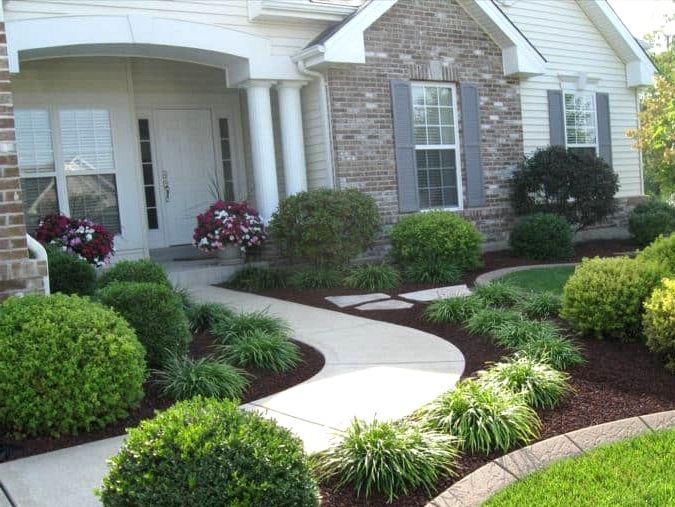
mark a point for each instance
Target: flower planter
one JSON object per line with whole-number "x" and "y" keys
{"x": 229, "y": 253}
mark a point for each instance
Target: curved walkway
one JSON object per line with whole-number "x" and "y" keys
{"x": 373, "y": 369}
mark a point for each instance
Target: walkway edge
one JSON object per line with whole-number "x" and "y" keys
{"x": 490, "y": 276}
{"x": 479, "y": 486}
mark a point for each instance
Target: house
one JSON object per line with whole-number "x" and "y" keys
{"x": 136, "y": 114}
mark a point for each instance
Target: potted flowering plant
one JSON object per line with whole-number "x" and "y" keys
{"x": 80, "y": 236}
{"x": 231, "y": 228}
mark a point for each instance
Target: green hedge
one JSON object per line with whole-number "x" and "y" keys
{"x": 542, "y": 236}
{"x": 649, "y": 220}
{"x": 69, "y": 274}
{"x": 143, "y": 270}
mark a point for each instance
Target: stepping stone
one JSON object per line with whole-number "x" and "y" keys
{"x": 454, "y": 291}
{"x": 357, "y": 299}
{"x": 389, "y": 304}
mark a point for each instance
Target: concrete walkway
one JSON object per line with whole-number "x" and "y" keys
{"x": 373, "y": 369}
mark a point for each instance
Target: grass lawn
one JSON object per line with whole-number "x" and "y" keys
{"x": 540, "y": 279}
{"x": 640, "y": 471}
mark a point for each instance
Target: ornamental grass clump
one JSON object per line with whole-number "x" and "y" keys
{"x": 254, "y": 278}
{"x": 388, "y": 457}
{"x": 433, "y": 271}
{"x": 499, "y": 294}
{"x": 513, "y": 334}
{"x": 243, "y": 324}
{"x": 453, "y": 310}
{"x": 540, "y": 384}
{"x": 318, "y": 278}
{"x": 373, "y": 277}
{"x": 263, "y": 350}
{"x": 559, "y": 352}
{"x": 487, "y": 320}
{"x": 203, "y": 316}
{"x": 484, "y": 418}
{"x": 540, "y": 305}
{"x": 183, "y": 378}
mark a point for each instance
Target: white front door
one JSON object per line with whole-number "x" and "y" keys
{"x": 187, "y": 169}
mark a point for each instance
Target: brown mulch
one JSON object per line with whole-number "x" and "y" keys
{"x": 618, "y": 380}
{"x": 263, "y": 383}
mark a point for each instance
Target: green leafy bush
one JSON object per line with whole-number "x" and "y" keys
{"x": 328, "y": 227}
{"x": 373, "y": 277}
{"x": 514, "y": 334}
{"x": 66, "y": 365}
{"x": 183, "y": 378}
{"x": 661, "y": 252}
{"x": 453, "y": 309}
{"x": 659, "y": 322}
{"x": 144, "y": 270}
{"x": 255, "y": 278}
{"x": 69, "y": 274}
{"x": 604, "y": 296}
{"x": 559, "y": 352}
{"x": 203, "y": 316}
{"x": 319, "y": 278}
{"x": 436, "y": 236}
{"x": 388, "y": 457}
{"x": 555, "y": 180}
{"x": 260, "y": 349}
{"x": 487, "y": 320}
{"x": 649, "y": 220}
{"x": 155, "y": 312}
{"x": 499, "y": 294}
{"x": 540, "y": 305}
{"x": 539, "y": 383}
{"x": 205, "y": 452}
{"x": 434, "y": 271}
{"x": 542, "y": 236}
{"x": 485, "y": 419}
{"x": 244, "y": 324}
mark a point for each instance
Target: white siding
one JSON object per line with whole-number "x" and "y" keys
{"x": 314, "y": 125}
{"x": 571, "y": 44}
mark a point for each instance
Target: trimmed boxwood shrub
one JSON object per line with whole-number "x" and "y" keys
{"x": 437, "y": 236}
{"x": 649, "y": 220}
{"x": 604, "y": 296}
{"x": 143, "y": 270}
{"x": 69, "y": 274}
{"x": 328, "y": 227}
{"x": 659, "y": 322}
{"x": 661, "y": 252}
{"x": 542, "y": 236}
{"x": 66, "y": 365}
{"x": 206, "y": 452}
{"x": 155, "y": 312}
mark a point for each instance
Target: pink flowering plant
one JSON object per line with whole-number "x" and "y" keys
{"x": 80, "y": 236}
{"x": 224, "y": 223}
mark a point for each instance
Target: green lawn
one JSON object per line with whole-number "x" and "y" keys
{"x": 636, "y": 472}
{"x": 540, "y": 279}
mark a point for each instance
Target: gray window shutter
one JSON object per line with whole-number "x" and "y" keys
{"x": 406, "y": 173}
{"x": 604, "y": 130}
{"x": 556, "y": 118}
{"x": 475, "y": 195}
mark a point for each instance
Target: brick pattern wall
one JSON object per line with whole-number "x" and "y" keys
{"x": 425, "y": 40}
{"x": 18, "y": 273}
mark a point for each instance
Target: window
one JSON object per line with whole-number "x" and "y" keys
{"x": 148, "y": 175}
{"x": 580, "y": 123}
{"x": 435, "y": 137}
{"x": 226, "y": 153}
{"x": 83, "y": 175}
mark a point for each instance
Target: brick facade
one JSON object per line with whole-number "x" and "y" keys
{"x": 18, "y": 273}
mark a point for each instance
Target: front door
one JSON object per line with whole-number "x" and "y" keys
{"x": 187, "y": 172}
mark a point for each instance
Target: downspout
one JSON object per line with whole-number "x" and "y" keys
{"x": 328, "y": 120}
{"x": 40, "y": 254}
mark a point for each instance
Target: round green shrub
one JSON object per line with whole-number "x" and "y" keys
{"x": 205, "y": 452}
{"x": 542, "y": 236}
{"x": 649, "y": 220}
{"x": 661, "y": 252}
{"x": 437, "y": 236}
{"x": 69, "y": 274}
{"x": 143, "y": 270}
{"x": 328, "y": 227}
{"x": 604, "y": 296}
{"x": 659, "y": 322}
{"x": 156, "y": 313}
{"x": 66, "y": 365}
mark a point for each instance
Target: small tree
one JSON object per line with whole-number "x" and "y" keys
{"x": 555, "y": 180}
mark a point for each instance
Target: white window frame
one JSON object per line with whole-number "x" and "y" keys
{"x": 439, "y": 147}
{"x": 595, "y": 120}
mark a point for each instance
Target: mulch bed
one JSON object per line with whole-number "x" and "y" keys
{"x": 263, "y": 383}
{"x": 618, "y": 380}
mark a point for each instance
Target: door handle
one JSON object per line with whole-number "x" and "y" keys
{"x": 165, "y": 184}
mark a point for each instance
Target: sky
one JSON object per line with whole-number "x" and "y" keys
{"x": 644, "y": 16}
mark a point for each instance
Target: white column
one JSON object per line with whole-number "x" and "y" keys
{"x": 261, "y": 131}
{"x": 292, "y": 140}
